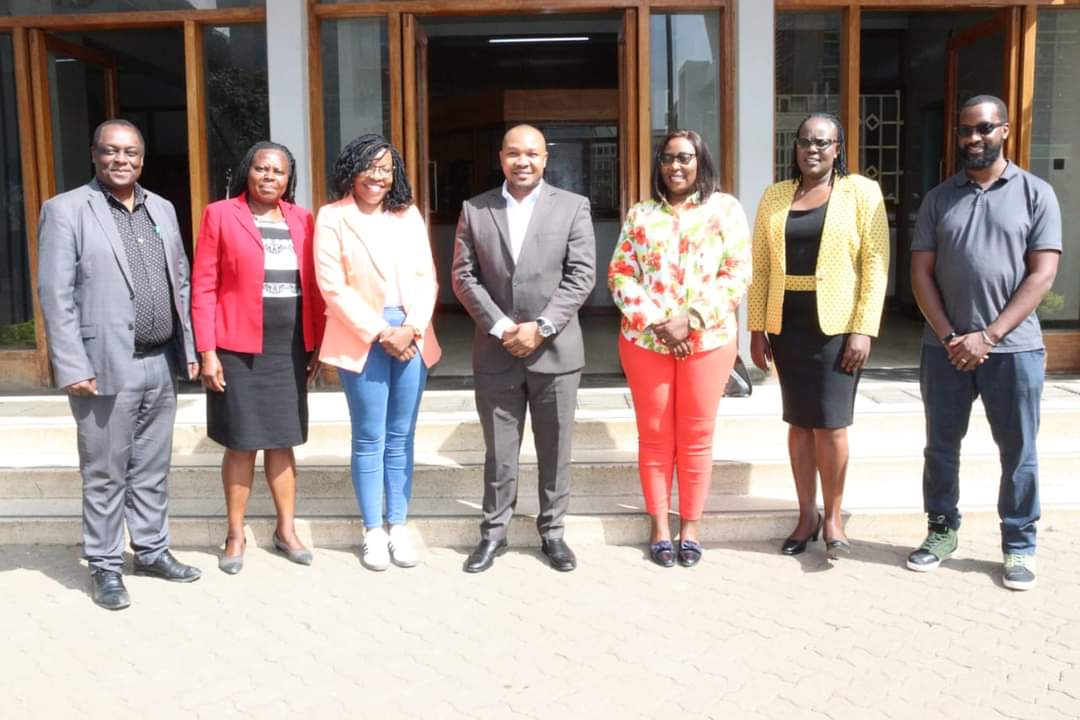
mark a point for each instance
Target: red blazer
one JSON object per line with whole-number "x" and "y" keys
{"x": 227, "y": 278}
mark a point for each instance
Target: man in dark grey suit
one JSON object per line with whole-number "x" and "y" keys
{"x": 114, "y": 287}
{"x": 524, "y": 264}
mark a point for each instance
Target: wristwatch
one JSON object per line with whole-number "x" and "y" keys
{"x": 949, "y": 338}
{"x": 546, "y": 328}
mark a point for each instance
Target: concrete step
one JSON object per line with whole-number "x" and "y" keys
{"x": 755, "y": 524}
{"x": 328, "y": 477}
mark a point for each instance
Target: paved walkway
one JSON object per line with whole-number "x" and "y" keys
{"x": 747, "y": 634}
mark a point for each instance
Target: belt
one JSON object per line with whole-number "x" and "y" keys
{"x": 800, "y": 282}
{"x": 144, "y": 349}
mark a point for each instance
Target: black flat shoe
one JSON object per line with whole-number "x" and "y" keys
{"x": 109, "y": 591}
{"x": 167, "y": 567}
{"x": 689, "y": 553}
{"x": 483, "y": 555}
{"x": 662, "y": 553}
{"x": 559, "y": 554}
{"x": 793, "y": 546}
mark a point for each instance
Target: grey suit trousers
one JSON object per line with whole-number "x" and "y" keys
{"x": 125, "y": 444}
{"x": 501, "y": 401}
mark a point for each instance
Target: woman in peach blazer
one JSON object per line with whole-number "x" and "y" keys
{"x": 374, "y": 267}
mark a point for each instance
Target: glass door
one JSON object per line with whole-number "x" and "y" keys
{"x": 75, "y": 89}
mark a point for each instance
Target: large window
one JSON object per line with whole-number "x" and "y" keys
{"x": 237, "y": 98}
{"x": 16, "y": 309}
{"x": 65, "y": 7}
{"x": 1054, "y": 156}
{"x": 807, "y": 75}
{"x": 685, "y": 76}
{"x": 356, "y": 83}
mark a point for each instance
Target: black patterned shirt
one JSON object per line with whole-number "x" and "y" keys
{"x": 145, "y": 252}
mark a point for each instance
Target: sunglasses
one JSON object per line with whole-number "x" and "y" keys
{"x": 983, "y": 128}
{"x": 684, "y": 158}
{"x": 804, "y": 143}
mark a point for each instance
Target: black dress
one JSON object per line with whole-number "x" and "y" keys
{"x": 265, "y": 400}
{"x": 816, "y": 391}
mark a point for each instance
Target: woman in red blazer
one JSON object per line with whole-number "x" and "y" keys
{"x": 259, "y": 319}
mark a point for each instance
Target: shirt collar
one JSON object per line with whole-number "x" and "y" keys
{"x": 140, "y": 195}
{"x": 1010, "y": 171}
{"x": 529, "y": 199}
{"x": 691, "y": 202}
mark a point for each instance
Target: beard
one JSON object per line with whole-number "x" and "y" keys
{"x": 990, "y": 154}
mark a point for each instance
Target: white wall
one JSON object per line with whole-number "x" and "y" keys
{"x": 287, "y": 69}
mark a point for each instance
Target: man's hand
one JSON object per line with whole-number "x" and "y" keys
{"x": 83, "y": 387}
{"x": 192, "y": 370}
{"x": 856, "y": 351}
{"x": 521, "y": 340}
{"x": 674, "y": 331}
{"x": 213, "y": 375}
{"x": 967, "y": 352}
{"x": 398, "y": 342}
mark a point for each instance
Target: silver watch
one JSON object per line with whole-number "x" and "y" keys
{"x": 546, "y": 328}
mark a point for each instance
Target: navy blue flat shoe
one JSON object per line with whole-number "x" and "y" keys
{"x": 689, "y": 553}
{"x": 662, "y": 553}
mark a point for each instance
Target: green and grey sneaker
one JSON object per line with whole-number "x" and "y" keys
{"x": 940, "y": 544}
{"x": 1019, "y": 571}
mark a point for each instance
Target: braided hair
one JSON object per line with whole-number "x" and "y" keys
{"x": 358, "y": 156}
{"x": 239, "y": 182}
{"x": 840, "y": 168}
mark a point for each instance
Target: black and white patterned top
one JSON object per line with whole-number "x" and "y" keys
{"x": 282, "y": 271}
{"x": 145, "y": 252}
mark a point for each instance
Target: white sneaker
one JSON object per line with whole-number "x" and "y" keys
{"x": 376, "y": 554}
{"x": 401, "y": 547}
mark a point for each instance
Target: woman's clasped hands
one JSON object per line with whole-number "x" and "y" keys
{"x": 674, "y": 333}
{"x": 399, "y": 342}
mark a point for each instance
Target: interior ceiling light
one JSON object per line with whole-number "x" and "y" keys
{"x": 538, "y": 39}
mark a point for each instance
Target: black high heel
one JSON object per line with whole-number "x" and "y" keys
{"x": 793, "y": 546}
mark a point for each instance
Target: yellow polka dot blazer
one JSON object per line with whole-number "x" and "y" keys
{"x": 852, "y": 266}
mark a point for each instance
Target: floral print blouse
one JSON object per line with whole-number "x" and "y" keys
{"x": 693, "y": 260}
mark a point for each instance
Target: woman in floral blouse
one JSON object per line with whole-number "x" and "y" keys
{"x": 679, "y": 270}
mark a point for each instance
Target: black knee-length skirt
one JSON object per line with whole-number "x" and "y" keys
{"x": 265, "y": 400}
{"x": 816, "y": 392}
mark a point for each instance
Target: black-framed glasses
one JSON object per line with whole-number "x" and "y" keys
{"x": 983, "y": 128}
{"x": 804, "y": 143}
{"x": 684, "y": 158}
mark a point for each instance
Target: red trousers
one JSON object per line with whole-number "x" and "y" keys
{"x": 675, "y": 402}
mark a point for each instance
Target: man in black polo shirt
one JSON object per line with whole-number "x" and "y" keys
{"x": 986, "y": 251}
{"x": 114, "y": 286}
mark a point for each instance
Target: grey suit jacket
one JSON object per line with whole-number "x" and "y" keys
{"x": 87, "y": 295}
{"x": 552, "y": 278}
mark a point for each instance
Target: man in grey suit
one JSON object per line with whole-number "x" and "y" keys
{"x": 114, "y": 287}
{"x": 524, "y": 264}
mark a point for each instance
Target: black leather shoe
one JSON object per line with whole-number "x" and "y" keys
{"x": 690, "y": 553}
{"x": 109, "y": 590}
{"x": 167, "y": 567}
{"x": 792, "y": 546}
{"x": 483, "y": 555}
{"x": 559, "y": 554}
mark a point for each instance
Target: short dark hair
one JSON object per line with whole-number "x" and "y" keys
{"x": 998, "y": 103}
{"x": 358, "y": 156}
{"x": 840, "y": 168}
{"x": 100, "y": 129}
{"x": 238, "y": 183}
{"x": 707, "y": 181}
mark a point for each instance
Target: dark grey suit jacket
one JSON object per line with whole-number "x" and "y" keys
{"x": 87, "y": 295}
{"x": 552, "y": 278}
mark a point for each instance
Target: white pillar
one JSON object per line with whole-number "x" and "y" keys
{"x": 287, "y": 68}
{"x": 754, "y": 99}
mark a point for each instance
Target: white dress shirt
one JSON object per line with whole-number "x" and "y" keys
{"x": 518, "y": 215}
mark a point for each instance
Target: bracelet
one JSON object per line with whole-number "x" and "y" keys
{"x": 986, "y": 338}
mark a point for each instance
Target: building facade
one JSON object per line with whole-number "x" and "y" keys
{"x": 604, "y": 79}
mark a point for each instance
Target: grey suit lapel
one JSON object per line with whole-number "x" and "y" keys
{"x": 100, "y": 206}
{"x": 497, "y": 208}
{"x": 158, "y": 212}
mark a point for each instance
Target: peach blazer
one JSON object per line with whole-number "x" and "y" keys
{"x": 353, "y": 284}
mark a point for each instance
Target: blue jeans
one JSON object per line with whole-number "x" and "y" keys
{"x": 384, "y": 401}
{"x": 1011, "y": 388}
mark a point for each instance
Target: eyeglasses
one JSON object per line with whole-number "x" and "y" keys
{"x": 684, "y": 158}
{"x": 804, "y": 143}
{"x": 983, "y": 128}
{"x": 379, "y": 171}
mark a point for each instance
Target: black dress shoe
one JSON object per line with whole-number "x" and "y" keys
{"x": 793, "y": 546}
{"x": 167, "y": 567}
{"x": 690, "y": 553}
{"x": 559, "y": 554}
{"x": 109, "y": 590}
{"x": 483, "y": 555}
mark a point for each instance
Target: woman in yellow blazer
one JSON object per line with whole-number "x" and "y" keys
{"x": 374, "y": 267}
{"x": 821, "y": 260}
